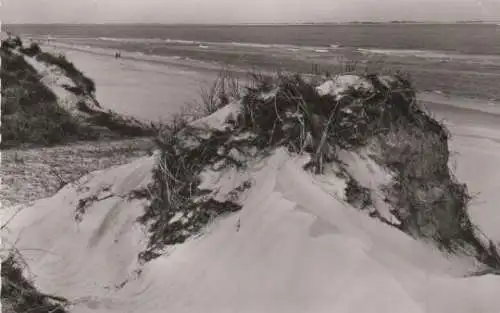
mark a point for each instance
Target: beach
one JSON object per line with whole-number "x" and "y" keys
{"x": 141, "y": 89}
{"x": 454, "y": 59}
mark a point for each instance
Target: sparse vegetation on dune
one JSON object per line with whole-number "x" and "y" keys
{"x": 320, "y": 117}
{"x": 32, "y": 114}
{"x": 87, "y": 84}
{"x": 185, "y": 152}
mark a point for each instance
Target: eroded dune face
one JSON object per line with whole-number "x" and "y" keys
{"x": 296, "y": 245}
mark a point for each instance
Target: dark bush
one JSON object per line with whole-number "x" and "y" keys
{"x": 12, "y": 43}
{"x": 32, "y": 50}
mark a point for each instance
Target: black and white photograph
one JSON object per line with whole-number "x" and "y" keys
{"x": 265, "y": 156}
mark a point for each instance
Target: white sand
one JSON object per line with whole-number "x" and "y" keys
{"x": 299, "y": 247}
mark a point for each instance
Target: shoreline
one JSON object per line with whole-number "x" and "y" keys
{"x": 206, "y": 70}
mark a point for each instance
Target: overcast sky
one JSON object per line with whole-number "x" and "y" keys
{"x": 242, "y": 11}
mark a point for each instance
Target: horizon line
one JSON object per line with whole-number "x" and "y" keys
{"x": 474, "y": 21}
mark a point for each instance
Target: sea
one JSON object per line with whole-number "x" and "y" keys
{"x": 482, "y": 39}
{"x": 461, "y": 59}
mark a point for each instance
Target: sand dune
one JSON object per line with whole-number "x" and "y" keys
{"x": 296, "y": 246}
{"x": 152, "y": 91}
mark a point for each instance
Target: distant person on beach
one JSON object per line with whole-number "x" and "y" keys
{"x": 117, "y": 55}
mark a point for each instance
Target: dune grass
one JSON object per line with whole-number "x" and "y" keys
{"x": 30, "y": 112}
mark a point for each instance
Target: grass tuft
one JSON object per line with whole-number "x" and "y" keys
{"x": 19, "y": 294}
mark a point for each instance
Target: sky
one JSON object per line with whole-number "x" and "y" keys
{"x": 243, "y": 11}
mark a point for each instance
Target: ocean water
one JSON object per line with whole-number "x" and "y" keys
{"x": 479, "y": 39}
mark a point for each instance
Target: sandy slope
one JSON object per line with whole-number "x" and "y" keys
{"x": 295, "y": 247}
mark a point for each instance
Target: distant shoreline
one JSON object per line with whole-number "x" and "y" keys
{"x": 394, "y": 22}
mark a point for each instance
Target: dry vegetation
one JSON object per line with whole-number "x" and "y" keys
{"x": 286, "y": 110}
{"x": 32, "y": 114}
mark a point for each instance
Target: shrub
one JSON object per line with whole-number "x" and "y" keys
{"x": 12, "y": 42}
{"x": 32, "y": 50}
{"x": 287, "y": 110}
{"x": 290, "y": 112}
{"x": 185, "y": 152}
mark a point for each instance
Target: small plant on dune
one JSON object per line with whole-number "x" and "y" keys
{"x": 224, "y": 89}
